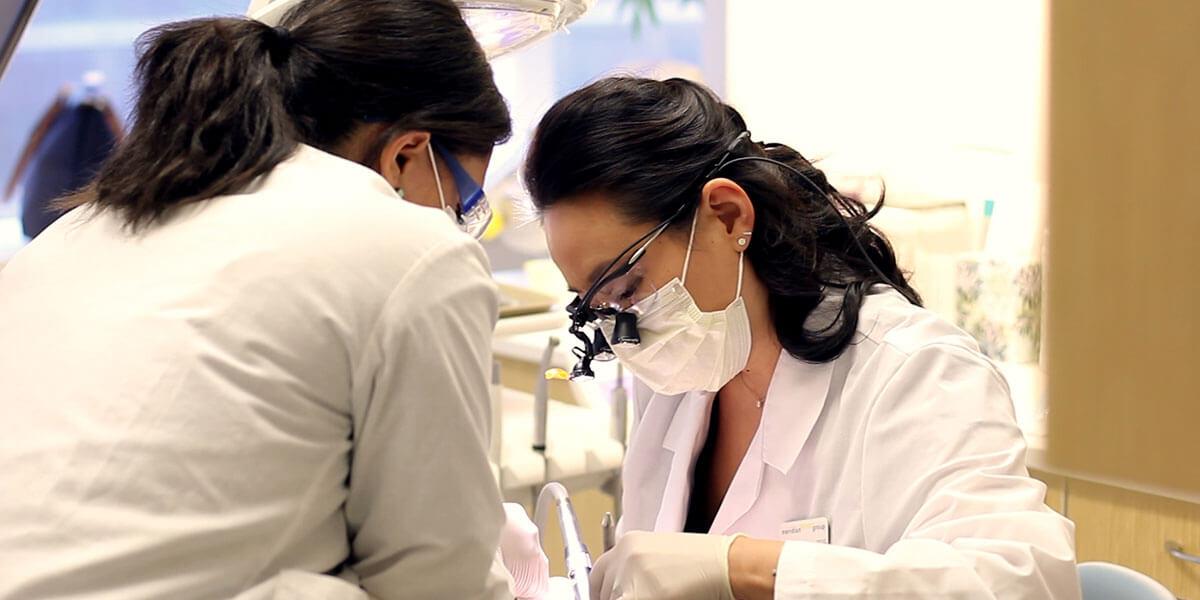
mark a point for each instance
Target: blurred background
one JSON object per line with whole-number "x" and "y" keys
{"x": 944, "y": 114}
{"x": 1041, "y": 163}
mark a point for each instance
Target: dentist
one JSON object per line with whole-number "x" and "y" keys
{"x": 243, "y": 353}
{"x": 808, "y": 431}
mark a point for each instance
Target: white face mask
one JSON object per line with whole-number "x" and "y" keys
{"x": 682, "y": 348}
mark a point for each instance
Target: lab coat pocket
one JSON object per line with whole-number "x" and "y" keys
{"x": 302, "y": 585}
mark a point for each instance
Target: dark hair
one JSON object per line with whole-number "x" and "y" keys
{"x": 647, "y": 144}
{"x": 222, "y": 101}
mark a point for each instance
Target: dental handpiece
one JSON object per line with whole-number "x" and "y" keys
{"x": 608, "y": 530}
{"x": 575, "y": 552}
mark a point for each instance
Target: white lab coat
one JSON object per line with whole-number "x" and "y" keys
{"x": 293, "y": 377}
{"x": 907, "y": 443}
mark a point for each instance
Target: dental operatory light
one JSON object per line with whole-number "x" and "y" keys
{"x": 501, "y": 26}
{"x": 14, "y": 16}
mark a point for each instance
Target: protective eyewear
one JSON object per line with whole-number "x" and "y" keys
{"x": 613, "y": 289}
{"x": 611, "y": 296}
{"x": 474, "y": 213}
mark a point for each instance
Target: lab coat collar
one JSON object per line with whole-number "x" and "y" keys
{"x": 308, "y": 163}
{"x": 689, "y": 426}
{"x": 794, "y": 403}
{"x": 684, "y": 439}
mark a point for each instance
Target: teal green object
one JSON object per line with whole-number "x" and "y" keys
{"x": 988, "y": 207}
{"x": 1107, "y": 581}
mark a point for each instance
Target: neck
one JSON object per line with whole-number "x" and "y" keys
{"x": 361, "y": 145}
{"x": 765, "y": 347}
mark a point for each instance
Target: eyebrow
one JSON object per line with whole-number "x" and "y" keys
{"x": 592, "y": 277}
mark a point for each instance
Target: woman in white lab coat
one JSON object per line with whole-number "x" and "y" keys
{"x": 243, "y": 353}
{"x": 810, "y": 431}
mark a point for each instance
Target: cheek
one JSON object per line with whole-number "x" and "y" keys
{"x": 712, "y": 279}
{"x": 449, "y": 189}
{"x": 421, "y": 191}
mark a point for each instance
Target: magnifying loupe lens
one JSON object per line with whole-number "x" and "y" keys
{"x": 603, "y": 352}
{"x": 625, "y": 331}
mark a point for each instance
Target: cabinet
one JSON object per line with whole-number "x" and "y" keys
{"x": 1122, "y": 279}
{"x": 1123, "y": 265}
{"x": 1129, "y": 528}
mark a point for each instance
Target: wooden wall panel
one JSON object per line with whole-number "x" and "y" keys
{"x": 1123, "y": 271}
{"x": 1056, "y": 489}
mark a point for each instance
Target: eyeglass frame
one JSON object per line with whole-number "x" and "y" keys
{"x": 474, "y": 212}
{"x": 470, "y": 192}
{"x": 580, "y": 309}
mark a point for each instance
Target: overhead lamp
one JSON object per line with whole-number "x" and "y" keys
{"x": 501, "y": 26}
{"x": 14, "y": 16}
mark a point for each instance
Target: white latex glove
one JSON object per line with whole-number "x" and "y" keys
{"x": 664, "y": 566}
{"x": 521, "y": 552}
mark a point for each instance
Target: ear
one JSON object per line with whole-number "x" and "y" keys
{"x": 729, "y": 203}
{"x": 400, "y": 154}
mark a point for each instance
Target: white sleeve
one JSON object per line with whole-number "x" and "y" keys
{"x": 423, "y": 510}
{"x": 943, "y": 474}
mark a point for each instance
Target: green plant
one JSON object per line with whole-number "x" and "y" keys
{"x": 643, "y": 12}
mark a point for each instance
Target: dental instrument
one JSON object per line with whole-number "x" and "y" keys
{"x": 541, "y": 397}
{"x": 575, "y": 552}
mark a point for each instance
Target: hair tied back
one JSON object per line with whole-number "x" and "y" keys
{"x": 281, "y": 43}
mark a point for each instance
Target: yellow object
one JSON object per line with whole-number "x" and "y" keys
{"x": 557, "y": 373}
{"x": 495, "y": 227}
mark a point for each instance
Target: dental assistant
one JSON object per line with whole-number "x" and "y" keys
{"x": 808, "y": 430}
{"x": 243, "y": 352}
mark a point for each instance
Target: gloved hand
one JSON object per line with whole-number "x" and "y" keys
{"x": 521, "y": 553}
{"x": 664, "y": 566}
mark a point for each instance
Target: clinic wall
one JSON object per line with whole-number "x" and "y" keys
{"x": 916, "y": 91}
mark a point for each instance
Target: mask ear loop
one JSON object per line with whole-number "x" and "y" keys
{"x": 741, "y": 263}
{"x": 687, "y": 258}
{"x": 743, "y": 242}
{"x": 437, "y": 179}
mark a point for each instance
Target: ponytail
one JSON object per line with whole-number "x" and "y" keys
{"x": 222, "y": 101}
{"x": 211, "y": 117}
{"x": 844, "y": 255}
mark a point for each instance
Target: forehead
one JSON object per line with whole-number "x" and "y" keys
{"x": 584, "y": 234}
